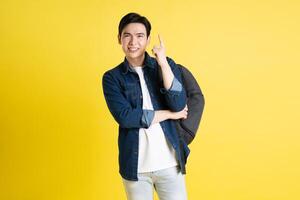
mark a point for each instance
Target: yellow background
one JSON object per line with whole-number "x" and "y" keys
{"x": 58, "y": 140}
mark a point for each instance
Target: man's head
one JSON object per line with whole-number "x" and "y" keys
{"x": 134, "y": 35}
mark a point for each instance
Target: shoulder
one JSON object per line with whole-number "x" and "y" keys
{"x": 113, "y": 76}
{"x": 172, "y": 63}
{"x": 115, "y": 71}
{"x": 169, "y": 59}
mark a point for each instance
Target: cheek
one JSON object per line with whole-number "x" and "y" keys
{"x": 124, "y": 44}
{"x": 143, "y": 43}
{"x": 125, "y": 41}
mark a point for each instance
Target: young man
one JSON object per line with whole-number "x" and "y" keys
{"x": 151, "y": 154}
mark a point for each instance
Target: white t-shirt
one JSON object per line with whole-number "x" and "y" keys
{"x": 155, "y": 152}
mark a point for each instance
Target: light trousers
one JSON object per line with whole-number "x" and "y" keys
{"x": 168, "y": 183}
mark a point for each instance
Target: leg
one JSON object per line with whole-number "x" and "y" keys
{"x": 170, "y": 184}
{"x": 141, "y": 189}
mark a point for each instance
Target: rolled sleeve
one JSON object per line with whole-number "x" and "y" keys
{"x": 147, "y": 117}
{"x": 176, "y": 87}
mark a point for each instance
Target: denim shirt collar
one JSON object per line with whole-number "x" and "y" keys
{"x": 148, "y": 61}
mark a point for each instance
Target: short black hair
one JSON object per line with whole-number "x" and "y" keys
{"x": 134, "y": 18}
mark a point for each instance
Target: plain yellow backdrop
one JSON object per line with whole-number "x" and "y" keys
{"x": 58, "y": 140}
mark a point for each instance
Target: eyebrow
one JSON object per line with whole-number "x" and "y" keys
{"x": 126, "y": 33}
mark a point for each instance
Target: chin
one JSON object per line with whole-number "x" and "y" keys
{"x": 135, "y": 55}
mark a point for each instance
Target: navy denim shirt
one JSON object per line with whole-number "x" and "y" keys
{"x": 123, "y": 95}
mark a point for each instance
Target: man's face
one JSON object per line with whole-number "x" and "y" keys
{"x": 134, "y": 40}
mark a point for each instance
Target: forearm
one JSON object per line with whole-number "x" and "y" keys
{"x": 175, "y": 96}
{"x": 161, "y": 115}
{"x": 167, "y": 74}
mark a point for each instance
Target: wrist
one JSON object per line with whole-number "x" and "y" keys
{"x": 163, "y": 62}
{"x": 170, "y": 115}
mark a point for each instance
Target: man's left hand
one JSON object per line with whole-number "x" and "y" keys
{"x": 160, "y": 52}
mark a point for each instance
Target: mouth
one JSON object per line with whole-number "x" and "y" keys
{"x": 133, "y": 49}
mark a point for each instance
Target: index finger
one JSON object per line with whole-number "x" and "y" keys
{"x": 161, "y": 41}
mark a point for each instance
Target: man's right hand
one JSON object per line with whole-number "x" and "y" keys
{"x": 162, "y": 115}
{"x": 181, "y": 114}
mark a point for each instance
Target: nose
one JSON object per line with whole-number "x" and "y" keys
{"x": 132, "y": 40}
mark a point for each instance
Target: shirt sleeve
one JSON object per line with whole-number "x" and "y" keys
{"x": 175, "y": 87}
{"x": 121, "y": 109}
{"x": 147, "y": 117}
{"x": 176, "y": 95}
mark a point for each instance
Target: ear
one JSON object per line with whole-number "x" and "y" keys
{"x": 119, "y": 39}
{"x": 148, "y": 40}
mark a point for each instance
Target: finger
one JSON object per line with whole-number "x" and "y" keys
{"x": 161, "y": 41}
{"x": 154, "y": 52}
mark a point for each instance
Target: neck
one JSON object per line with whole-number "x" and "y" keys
{"x": 135, "y": 62}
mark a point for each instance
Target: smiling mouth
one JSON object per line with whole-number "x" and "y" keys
{"x": 133, "y": 49}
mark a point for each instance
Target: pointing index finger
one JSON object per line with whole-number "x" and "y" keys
{"x": 161, "y": 41}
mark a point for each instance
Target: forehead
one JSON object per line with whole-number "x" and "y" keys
{"x": 134, "y": 28}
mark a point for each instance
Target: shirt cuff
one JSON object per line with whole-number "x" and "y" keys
{"x": 175, "y": 87}
{"x": 147, "y": 117}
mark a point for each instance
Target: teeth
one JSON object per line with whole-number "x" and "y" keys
{"x": 133, "y": 49}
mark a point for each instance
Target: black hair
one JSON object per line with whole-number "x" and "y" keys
{"x": 134, "y": 18}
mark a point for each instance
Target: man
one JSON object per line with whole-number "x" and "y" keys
{"x": 151, "y": 154}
